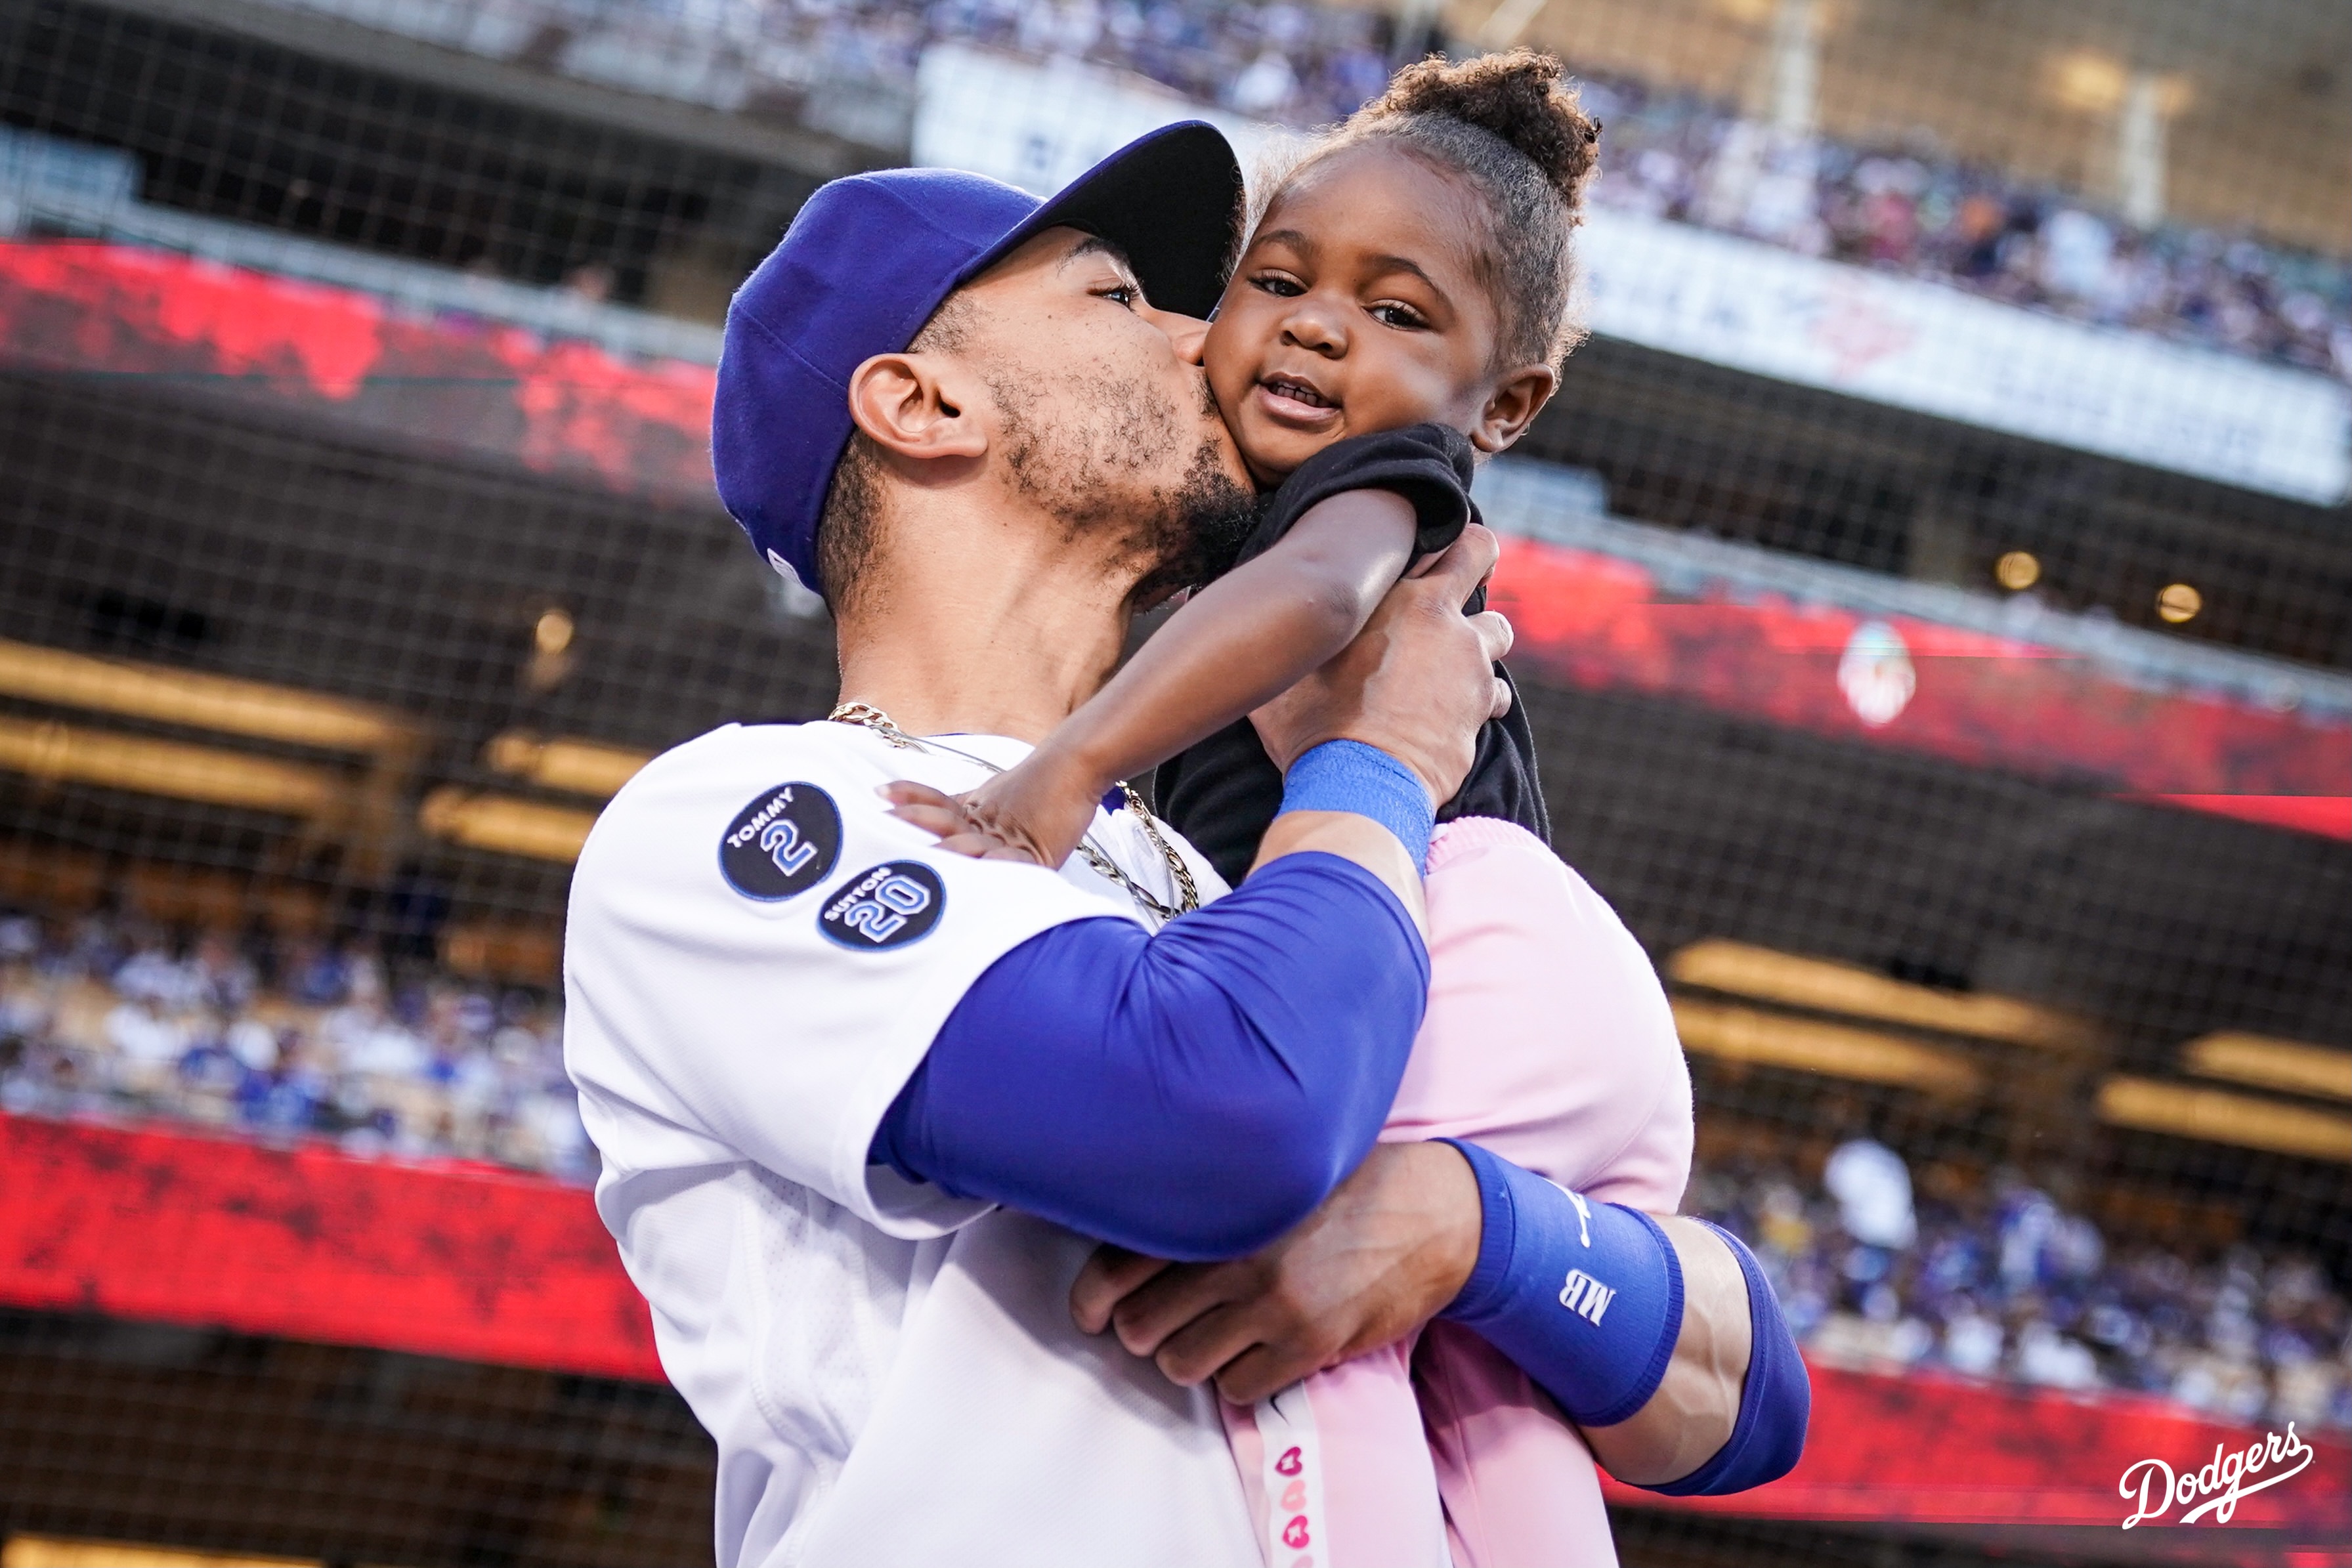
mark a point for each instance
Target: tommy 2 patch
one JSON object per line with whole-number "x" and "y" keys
{"x": 784, "y": 843}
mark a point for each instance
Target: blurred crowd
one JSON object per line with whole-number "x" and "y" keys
{"x": 1996, "y": 1278}
{"x": 121, "y": 1018}
{"x": 1672, "y": 154}
{"x": 1300, "y": 64}
{"x": 1295, "y": 65}
{"x": 1679, "y": 156}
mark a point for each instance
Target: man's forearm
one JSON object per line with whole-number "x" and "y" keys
{"x": 1358, "y": 840}
{"x": 1413, "y": 1230}
{"x": 1389, "y": 1248}
{"x": 1691, "y": 1415}
{"x": 1776, "y": 1396}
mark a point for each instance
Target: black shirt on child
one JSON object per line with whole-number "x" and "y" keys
{"x": 1223, "y": 793}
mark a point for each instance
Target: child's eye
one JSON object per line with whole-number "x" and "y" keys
{"x": 1388, "y": 313}
{"x": 1275, "y": 284}
{"x": 1124, "y": 295}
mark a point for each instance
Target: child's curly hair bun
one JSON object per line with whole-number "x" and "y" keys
{"x": 1517, "y": 97}
{"x": 1512, "y": 130}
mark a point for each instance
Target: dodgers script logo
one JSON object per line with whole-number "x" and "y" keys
{"x": 2153, "y": 1486}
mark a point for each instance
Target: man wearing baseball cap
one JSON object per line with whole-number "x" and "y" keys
{"x": 866, "y": 1106}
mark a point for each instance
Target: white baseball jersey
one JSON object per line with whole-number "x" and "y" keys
{"x": 757, "y": 960}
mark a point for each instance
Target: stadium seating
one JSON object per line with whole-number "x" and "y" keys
{"x": 1985, "y": 1275}
{"x": 114, "y": 1016}
{"x": 1673, "y": 154}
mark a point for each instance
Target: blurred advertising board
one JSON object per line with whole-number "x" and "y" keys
{"x": 1603, "y": 604}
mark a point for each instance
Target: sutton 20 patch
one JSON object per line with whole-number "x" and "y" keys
{"x": 896, "y": 903}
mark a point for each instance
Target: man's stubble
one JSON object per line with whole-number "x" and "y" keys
{"x": 1095, "y": 473}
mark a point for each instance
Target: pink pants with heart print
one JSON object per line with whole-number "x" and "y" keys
{"x": 1548, "y": 1040}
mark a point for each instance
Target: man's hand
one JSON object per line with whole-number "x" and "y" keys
{"x": 1416, "y": 683}
{"x": 1386, "y": 1252}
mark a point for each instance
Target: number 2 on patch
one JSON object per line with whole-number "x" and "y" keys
{"x": 782, "y": 839}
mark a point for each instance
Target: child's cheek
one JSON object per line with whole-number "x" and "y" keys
{"x": 1233, "y": 370}
{"x": 1224, "y": 356}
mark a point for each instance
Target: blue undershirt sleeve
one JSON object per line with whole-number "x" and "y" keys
{"x": 1192, "y": 1093}
{"x": 1775, "y": 1402}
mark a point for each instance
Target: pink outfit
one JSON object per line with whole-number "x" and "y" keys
{"x": 1547, "y": 1040}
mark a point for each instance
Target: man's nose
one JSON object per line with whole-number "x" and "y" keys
{"x": 1185, "y": 333}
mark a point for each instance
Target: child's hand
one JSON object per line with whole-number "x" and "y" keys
{"x": 943, "y": 815}
{"x": 1035, "y": 810}
{"x": 1029, "y": 813}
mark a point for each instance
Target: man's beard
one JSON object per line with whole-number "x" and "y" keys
{"x": 1209, "y": 518}
{"x": 1093, "y": 476}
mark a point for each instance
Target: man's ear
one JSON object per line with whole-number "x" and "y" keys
{"x": 1513, "y": 405}
{"x": 918, "y": 406}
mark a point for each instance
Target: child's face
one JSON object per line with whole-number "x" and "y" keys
{"x": 1357, "y": 308}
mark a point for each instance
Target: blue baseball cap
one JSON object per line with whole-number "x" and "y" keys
{"x": 870, "y": 257}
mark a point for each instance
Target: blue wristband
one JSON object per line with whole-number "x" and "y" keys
{"x": 1585, "y": 1298}
{"x": 1349, "y": 775}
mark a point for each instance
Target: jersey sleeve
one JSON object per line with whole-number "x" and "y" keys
{"x": 758, "y": 957}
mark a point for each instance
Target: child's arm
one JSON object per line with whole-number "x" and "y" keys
{"x": 1239, "y": 643}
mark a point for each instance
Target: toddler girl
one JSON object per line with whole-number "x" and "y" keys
{"x": 1403, "y": 306}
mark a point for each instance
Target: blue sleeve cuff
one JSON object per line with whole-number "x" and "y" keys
{"x": 1585, "y": 1298}
{"x": 1498, "y": 1224}
{"x": 1775, "y": 1402}
{"x": 1350, "y": 775}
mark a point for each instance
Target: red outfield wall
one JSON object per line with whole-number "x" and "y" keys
{"x": 2037, "y": 1468}
{"x": 562, "y": 408}
{"x": 482, "y": 1265}
{"x": 1594, "y": 620}
{"x": 305, "y": 1242}
{"x": 1584, "y": 618}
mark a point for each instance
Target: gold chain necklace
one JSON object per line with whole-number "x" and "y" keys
{"x": 1188, "y": 895}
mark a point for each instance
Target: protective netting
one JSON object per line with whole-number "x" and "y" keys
{"x": 216, "y": 1442}
{"x": 1935, "y": 601}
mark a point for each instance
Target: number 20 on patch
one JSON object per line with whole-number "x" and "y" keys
{"x": 889, "y": 905}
